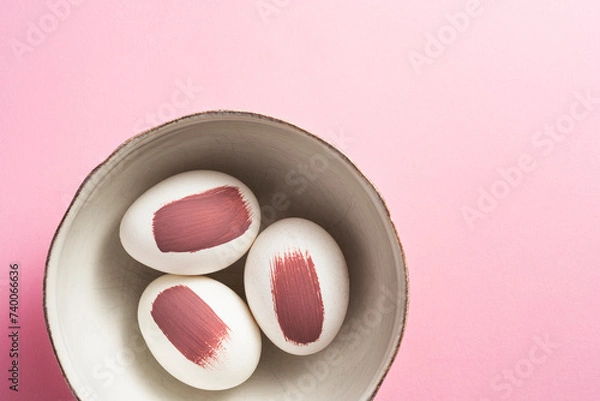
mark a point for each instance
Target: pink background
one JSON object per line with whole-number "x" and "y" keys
{"x": 435, "y": 134}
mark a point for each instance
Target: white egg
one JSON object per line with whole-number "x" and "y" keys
{"x": 200, "y": 331}
{"x": 195, "y": 222}
{"x": 297, "y": 285}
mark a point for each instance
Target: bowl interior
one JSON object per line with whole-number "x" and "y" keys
{"x": 92, "y": 285}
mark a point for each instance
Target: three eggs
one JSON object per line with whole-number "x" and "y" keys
{"x": 198, "y": 329}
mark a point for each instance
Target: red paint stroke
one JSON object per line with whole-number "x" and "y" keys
{"x": 201, "y": 221}
{"x": 297, "y": 297}
{"x": 190, "y": 324}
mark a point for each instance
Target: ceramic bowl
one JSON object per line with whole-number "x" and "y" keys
{"x": 92, "y": 286}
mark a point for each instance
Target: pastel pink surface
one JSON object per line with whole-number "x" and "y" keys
{"x": 483, "y": 295}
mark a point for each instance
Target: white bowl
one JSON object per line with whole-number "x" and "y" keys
{"x": 92, "y": 286}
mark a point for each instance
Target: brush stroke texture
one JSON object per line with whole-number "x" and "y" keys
{"x": 190, "y": 324}
{"x": 297, "y": 297}
{"x": 201, "y": 221}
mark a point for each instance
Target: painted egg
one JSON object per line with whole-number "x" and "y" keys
{"x": 297, "y": 285}
{"x": 200, "y": 331}
{"x": 195, "y": 222}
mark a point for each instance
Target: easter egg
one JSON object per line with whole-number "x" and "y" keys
{"x": 199, "y": 331}
{"x": 297, "y": 285}
{"x": 196, "y": 222}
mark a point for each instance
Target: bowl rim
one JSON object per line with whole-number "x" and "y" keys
{"x": 237, "y": 114}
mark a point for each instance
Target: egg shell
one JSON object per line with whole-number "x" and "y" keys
{"x": 199, "y": 331}
{"x": 297, "y": 285}
{"x": 192, "y": 223}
